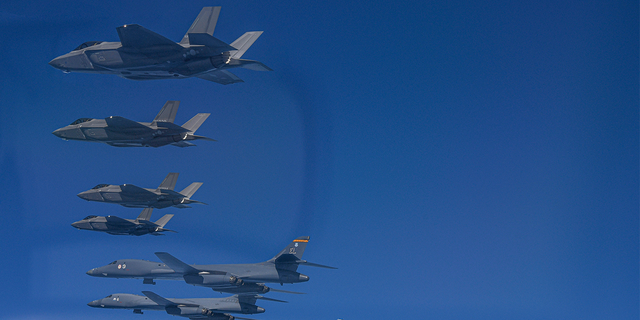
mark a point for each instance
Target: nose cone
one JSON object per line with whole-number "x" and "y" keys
{"x": 91, "y": 195}
{"x": 93, "y": 272}
{"x": 67, "y": 133}
{"x": 72, "y": 61}
{"x": 259, "y": 310}
{"x": 81, "y": 225}
{"x": 94, "y": 303}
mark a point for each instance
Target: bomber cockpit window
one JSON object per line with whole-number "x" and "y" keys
{"x": 87, "y": 45}
{"x": 109, "y": 296}
{"x": 114, "y": 263}
{"x": 100, "y": 186}
{"x": 90, "y": 217}
{"x": 81, "y": 120}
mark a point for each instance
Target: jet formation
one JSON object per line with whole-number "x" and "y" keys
{"x": 203, "y": 308}
{"x": 132, "y": 196}
{"x": 230, "y": 278}
{"x": 142, "y": 54}
{"x": 118, "y": 226}
{"x": 120, "y": 132}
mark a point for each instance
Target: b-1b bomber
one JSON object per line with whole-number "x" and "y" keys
{"x": 120, "y": 132}
{"x": 199, "y": 308}
{"x": 132, "y": 196}
{"x": 118, "y": 226}
{"x": 230, "y": 278}
{"x": 142, "y": 54}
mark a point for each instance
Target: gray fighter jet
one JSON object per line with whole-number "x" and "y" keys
{"x": 203, "y": 308}
{"x": 118, "y": 226}
{"x": 121, "y": 132}
{"x": 231, "y": 278}
{"x": 131, "y": 196}
{"x": 142, "y": 54}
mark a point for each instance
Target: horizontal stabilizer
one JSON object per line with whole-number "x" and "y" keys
{"x": 168, "y": 112}
{"x": 248, "y": 64}
{"x": 194, "y": 123}
{"x": 243, "y": 43}
{"x": 204, "y": 23}
{"x": 169, "y": 181}
{"x": 176, "y": 264}
{"x": 183, "y": 144}
{"x": 270, "y": 299}
{"x": 285, "y": 291}
{"x": 217, "y": 46}
{"x": 134, "y": 36}
{"x": 220, "y": 76}
{"x": 306, "y": 263}
{"x": 191, "y": 189}
{"x": 145, "y": 214}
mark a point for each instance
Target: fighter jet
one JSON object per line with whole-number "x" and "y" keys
{"x": 121, "y": 132}
{"x": 142, "y": 54}
{"x": 203, "y": 308}
{"x": 231, "y": 278}
{"x": 118, "y": 226}
{"x": 131, "y": 196}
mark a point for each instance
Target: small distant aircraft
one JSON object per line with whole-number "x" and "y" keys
{"x": 132, "y": 196}
{"x": 202, "y": 308}
{"x": 121, "y": 132}
{"x": 118, "y": 226}
{"x": 231, "y": 278}
{"x": 142, "y": 54}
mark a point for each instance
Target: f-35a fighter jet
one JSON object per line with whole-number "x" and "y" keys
{"x": 231, "y": 278}
{"x": 118, "y": 226}
{"x": 203, "y": 308}
{"x": 142, "y": 54}
{"x": 131, "y": 196}
{"x": 121, "y": 132}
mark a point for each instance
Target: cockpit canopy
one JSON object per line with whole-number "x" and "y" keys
{"x": 100, "y": 186}
{"x": 81, "y": 120}
{"x": 114, "y": 262}
{"x": 89, "y": 217}
{"x": 87, "y": 45}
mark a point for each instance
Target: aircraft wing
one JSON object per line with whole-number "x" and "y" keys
{"x": 176, "y": 264}
{"x": 119, "y": 222}
{"x": 220, "y": 76}
{"x": 120, "y": 124}
{"x": 135, "y": 36}
{"x": 166, "y": 302}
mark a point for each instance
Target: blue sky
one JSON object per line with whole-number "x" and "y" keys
{"x": 454, "y": 159}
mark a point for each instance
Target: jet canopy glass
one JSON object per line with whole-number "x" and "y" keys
{"x": 100, "y": 186}
{"x": 87, "y": 45}
{"x": 81, "y": 120}
{"x": 90, "y": 217}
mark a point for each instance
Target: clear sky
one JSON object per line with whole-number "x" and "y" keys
{"x": 454, "y": 159}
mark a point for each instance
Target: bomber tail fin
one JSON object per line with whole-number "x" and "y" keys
{"x": 168, "y": 112}
{"x": 204, "y": 23}
{"x": 145, "y": 214}
{"x": 293, "y": 251}
{"x": 169, "y": 182}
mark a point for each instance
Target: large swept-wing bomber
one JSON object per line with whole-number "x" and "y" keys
{"x": 199, "y": 308}
{"x": 132, "y": 196}
{"x": 121, "y": 132}
{"x": 231, "y": 278}
{"x": 118, "y": 226}
{"x": 142, "y": 54}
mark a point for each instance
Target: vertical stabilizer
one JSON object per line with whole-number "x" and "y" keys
{"x": 162, "y": 221}
{"x": 243, "y": 43}
{"x": 293, "y": 251}
{"x": 168, "y": 112}
{"x": 191, "y": 189}
{"x": 195, "y": 122}
{"x": 169, "y": 182}
{"x": 204, "y": 23}
{"x": 145, "y": 214}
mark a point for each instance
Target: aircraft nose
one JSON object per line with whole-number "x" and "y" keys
{"x": 90, "y": 196}
{"x": 94, "y": 303}
{"x": 260, "y": 310}
{"x": 69, "y": 133}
